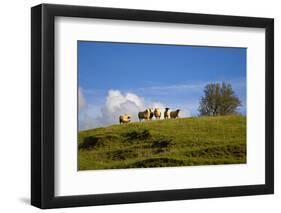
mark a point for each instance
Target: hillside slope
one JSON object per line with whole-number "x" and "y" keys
{"x": 173, "y": 142}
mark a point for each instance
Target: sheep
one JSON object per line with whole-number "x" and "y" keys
{"x": 157, "y": 113}
{"x": 144, "y": 115}
{"x": 151, "y": 113}
{"x": 124, "y": 119}
{"x": 166, "y": 113}
{"x": 175, "y": 114}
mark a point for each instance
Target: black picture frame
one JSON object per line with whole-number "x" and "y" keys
{"x": 43, "y": 102}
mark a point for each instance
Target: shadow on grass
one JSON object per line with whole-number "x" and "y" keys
{"x": 237, "y": 151}
{"x": 121, "y": 154}
{"x": 137, "y": 135}
{"x": 91, "y": 142}
{"x": 157, "y": 162}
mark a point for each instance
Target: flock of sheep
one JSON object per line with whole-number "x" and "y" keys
{"x": 149, "y": 113}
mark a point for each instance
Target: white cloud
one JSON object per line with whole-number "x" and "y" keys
{"x": 81, "y": 99}
{"x": 117, "y": 104}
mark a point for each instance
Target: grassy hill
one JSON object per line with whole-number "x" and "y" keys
{"x": 164, "y": 143}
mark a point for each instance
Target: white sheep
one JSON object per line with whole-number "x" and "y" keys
{"x": 124, "y": 119}
{"x": 157, "y": 113}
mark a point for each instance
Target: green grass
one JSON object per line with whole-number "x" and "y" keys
{"x": 164, "y": 143}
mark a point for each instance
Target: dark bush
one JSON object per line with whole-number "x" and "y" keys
{"x": 134, "y": 135}
{"x": 90, "y": 142}
{"x": 162, "y": 143}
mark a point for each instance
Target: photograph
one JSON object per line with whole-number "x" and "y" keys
{"x": 135, "y": 105}
{"x": 160, "y": 105}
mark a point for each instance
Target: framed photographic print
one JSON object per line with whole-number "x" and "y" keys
{"x": 139, "y": 106}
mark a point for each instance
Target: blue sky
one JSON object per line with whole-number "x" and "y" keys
{"x": 173, "y": 75}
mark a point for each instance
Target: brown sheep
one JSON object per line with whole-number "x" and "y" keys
{"x": 157, "y": 113}
{"x": 144, "y": 115}
{"x": 124, "y": 119}
{"x": 175, "y": 114}
{"x": 166, "y": 113}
